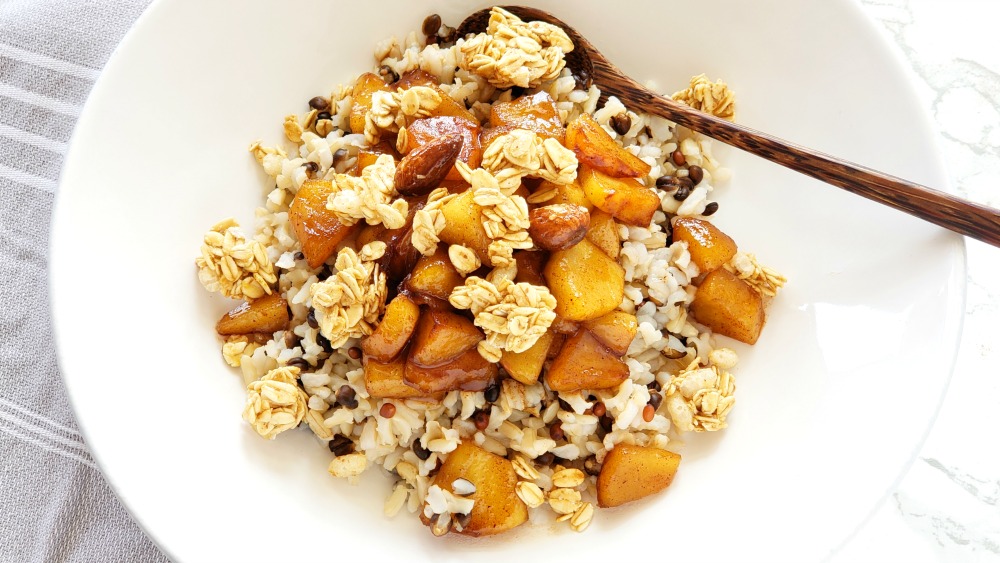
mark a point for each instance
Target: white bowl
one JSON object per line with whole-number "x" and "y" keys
{"x": 833, "y": 401}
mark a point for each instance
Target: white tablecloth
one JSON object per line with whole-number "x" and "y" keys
{"x": 56, "y": 506}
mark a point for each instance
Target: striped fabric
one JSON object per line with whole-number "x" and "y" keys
{"x": 54, "y": 503}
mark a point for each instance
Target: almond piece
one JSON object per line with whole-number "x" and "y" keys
{"x": 425, "y": 167}
{"x": 559, "y": 226}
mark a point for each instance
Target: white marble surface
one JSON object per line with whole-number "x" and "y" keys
{"x": 947, "y": 507}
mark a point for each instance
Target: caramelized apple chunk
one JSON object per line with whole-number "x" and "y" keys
{"x": 710, "y": 248}
{"x": 632, "y": 472}
{"x": 496, "y": 507}
{"x": 728, "y": 305}
{"x": 394, "y": 331}
{"x": 585, "y": 282}
{"x": 264, "y": 315}
{"x": 593, "y": 146}
{"x": 317, "y": 228}
{"x": 441, "y": 336}
{"x": 624, "y": 198}
{"x": 585, "y": 363}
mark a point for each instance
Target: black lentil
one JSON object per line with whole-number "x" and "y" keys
{"x": 654, "y": 386}
{"x": 299, "y": 256}
{"x": 300, "y": 363}
{"x": 421, "y": 452}
{"x": 492, "y": 392}
{"x": 432, "y": 24}
{"x": 682, "y": 193}
{"x": 341, "y": 445}
{"x": 323, "y": 115}
{"x": 312, "y": 167}
{"x": 324, "y": 343}
{"x": 655, "y": 399}
{"x": 621, "y": 123}
{"x": 606, "y": 422}
{"x": 591, "y": 466}
{"x": 547, "y": 458}
{"x": 347, "y": 397}
{"x": 339, "y": 155}
{"x": 668, "y": 183}
{"x": 319, "y": 103}
{"x": 311, "y": 318}
{"x": 696, "y": 173}
{"x": 710, "y": 209}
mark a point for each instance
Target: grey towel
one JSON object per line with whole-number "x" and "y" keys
{"x": 54, "y": 503}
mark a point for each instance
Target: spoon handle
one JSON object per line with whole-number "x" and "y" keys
{"x": 964, "y": 217}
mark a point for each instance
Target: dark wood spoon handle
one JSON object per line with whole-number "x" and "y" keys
{"x": 964, "y": 217}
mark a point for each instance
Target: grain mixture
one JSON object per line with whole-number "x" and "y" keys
{"x": 316, "y": 294}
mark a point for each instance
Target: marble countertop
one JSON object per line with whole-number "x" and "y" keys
{"x": 947, "y": 506}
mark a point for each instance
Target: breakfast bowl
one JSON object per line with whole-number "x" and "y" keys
{"x": 833, "y": 399}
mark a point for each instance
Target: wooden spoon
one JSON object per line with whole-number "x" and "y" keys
{"x": 589, "y": 66}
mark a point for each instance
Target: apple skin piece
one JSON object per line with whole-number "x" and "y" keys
{"x": 633, "y": 472}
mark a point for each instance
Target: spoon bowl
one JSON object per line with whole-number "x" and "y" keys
{"x": 589, "y": 66}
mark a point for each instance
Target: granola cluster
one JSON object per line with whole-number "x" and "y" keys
{"x": 522, "y": 153}
{"x": 513, "y": 315}
{"x": 700, "y": 398}
{"x": 370, "y": 197}
{"x": 349, "y": 303}
{"x": 762, "y": 279}
{"x": 504, "y": 214}
{"x": 232, "y": 265}
{"x": 275, "y": 402}
{"x": 391, "y": 111}
{"x": 516, "y": 53}
{"x": 710, "y": 97}
{"x": 428, "y": 222}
